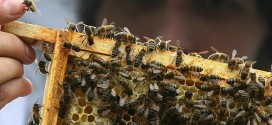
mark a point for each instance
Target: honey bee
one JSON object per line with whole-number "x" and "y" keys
{"x": 263, "y": 116}
{"x": 184, "y": 118}
{"x": 219, "y": 56}
{"x": 246, "y": 69}
{"x": 126, "y": 37}
{"x": 127, "y": 89}
{"x": 104, "y": 110}
{"x": 98, "y": 68}
{"x": 198, "y": 54}
{"x": 42, "y": 67}
{"x": 238, "y": 94}
{"x": 142, "y": 111}
{"x": 67, "y": 94}
{"x": 104, "y": 28}
{"x": 115, "y": 51}
{"x": 31, "y": 6}
{"x": 72, "y": 26}
{"x": 213, "y": 78}
{"x": 196, "y": 117}
{"x": 91, "y": 94}
{"x": 161, "y": 44}
{"x": 135, "y": 102}
{"x": 118, "y": 110}
{"x": 236, "y": 63}
{"x": 89, "y": 32}
{"x": 157, "y": 66}
{"x": 178, "y": 57}
{"x": 171, "y": 113}
{"x": 150, "y": 44}
{"x": 205, "y": 88}
{"x": 139, "y": 58}
{"x": 268, "y": 100}
{"x": 244, "y": 97}
{"x": 95, "y": 58}
{"x": 128, "y": 57}
{"x": 233, "y": 81}
{"x": 154, "y": 94}
{"x": 228, "y": 90}
{"x": 68, "y": 45}
{"x": 173, "y": 48}
{"x": 170, "y": 92}
{"x": 261, "y": 80}
{"x": 47, "y": 50}
{"x": 191, "y": 69}
{"x": 36, "y": 114}
{"x": 152, "y": 114}
{"x": 62, "y": 109}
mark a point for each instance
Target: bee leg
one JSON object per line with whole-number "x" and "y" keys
{"x": 173, "y": 61}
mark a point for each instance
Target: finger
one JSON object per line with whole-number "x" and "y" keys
{"x": 10, "y": 69}
{"x": 10, "y": 10}
{"x": 14, "y": 88}
{"x": 11, "y": 46}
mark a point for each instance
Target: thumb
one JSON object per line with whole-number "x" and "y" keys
{"x": 10, "y": 10}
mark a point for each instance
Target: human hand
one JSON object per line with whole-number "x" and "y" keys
{"x": 13, "y": 54}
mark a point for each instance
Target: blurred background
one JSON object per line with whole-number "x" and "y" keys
{"x": 244, "y": 25}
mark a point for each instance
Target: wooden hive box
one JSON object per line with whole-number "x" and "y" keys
{"x": 103, "y": 47}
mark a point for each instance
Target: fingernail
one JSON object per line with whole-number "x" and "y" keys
{"x": 30, "y": 53}
{"x": 14, "y": 7}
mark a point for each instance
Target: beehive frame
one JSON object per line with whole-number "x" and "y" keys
{"x": 32, "y": 33}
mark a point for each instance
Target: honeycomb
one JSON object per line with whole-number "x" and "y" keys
{"x": 167, "y": 97}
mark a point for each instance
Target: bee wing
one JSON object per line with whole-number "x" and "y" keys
{"x": 253, "y": 62}
{"x": 112, "y": 23}
{"x": 269, "y": 122}
{"x": 257, "y": 117}
{"x": 201, "y": 106}
{"x": 241, "y": 65}
{"x": 104, "y": 22}
{"x": 244, "y": 57}
{"x": 83, "y": 82}
{"x": 104, "y": 85}
{"x": 203, "y": 52}
{"x": 210, "y": 93}
{"x": 194, "y": 73}
{"x": 95, "y": 93}
{"x": 88, "y": 90}
{"x": 240, "y": 114}
{"x": 146, "y": 112}
{"x": 212, "y": 48}
{"x": 147, "y": 38}
{"x": 254, "y": 122}
{"x": 234, "y": 53}
{"x": 178, "y": 43}
{"x": 156, "y": 87}
{"x": 127, "y": 30}
{"x": 248, "y": 122}
{"x": 151, "y": 87}
{"x": 222, "y": 122}
{"x": 113, "y": 92}
{"x": 104, "y": 113}
{"x": 30, "y": 119}
{"x": 122, "y": 101}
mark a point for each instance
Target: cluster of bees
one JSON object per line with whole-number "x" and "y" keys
{"x": 150, "y": 92}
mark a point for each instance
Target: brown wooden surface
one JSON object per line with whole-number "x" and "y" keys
{"x": 53, "y": 86}
{"x": 31, "y": 33}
